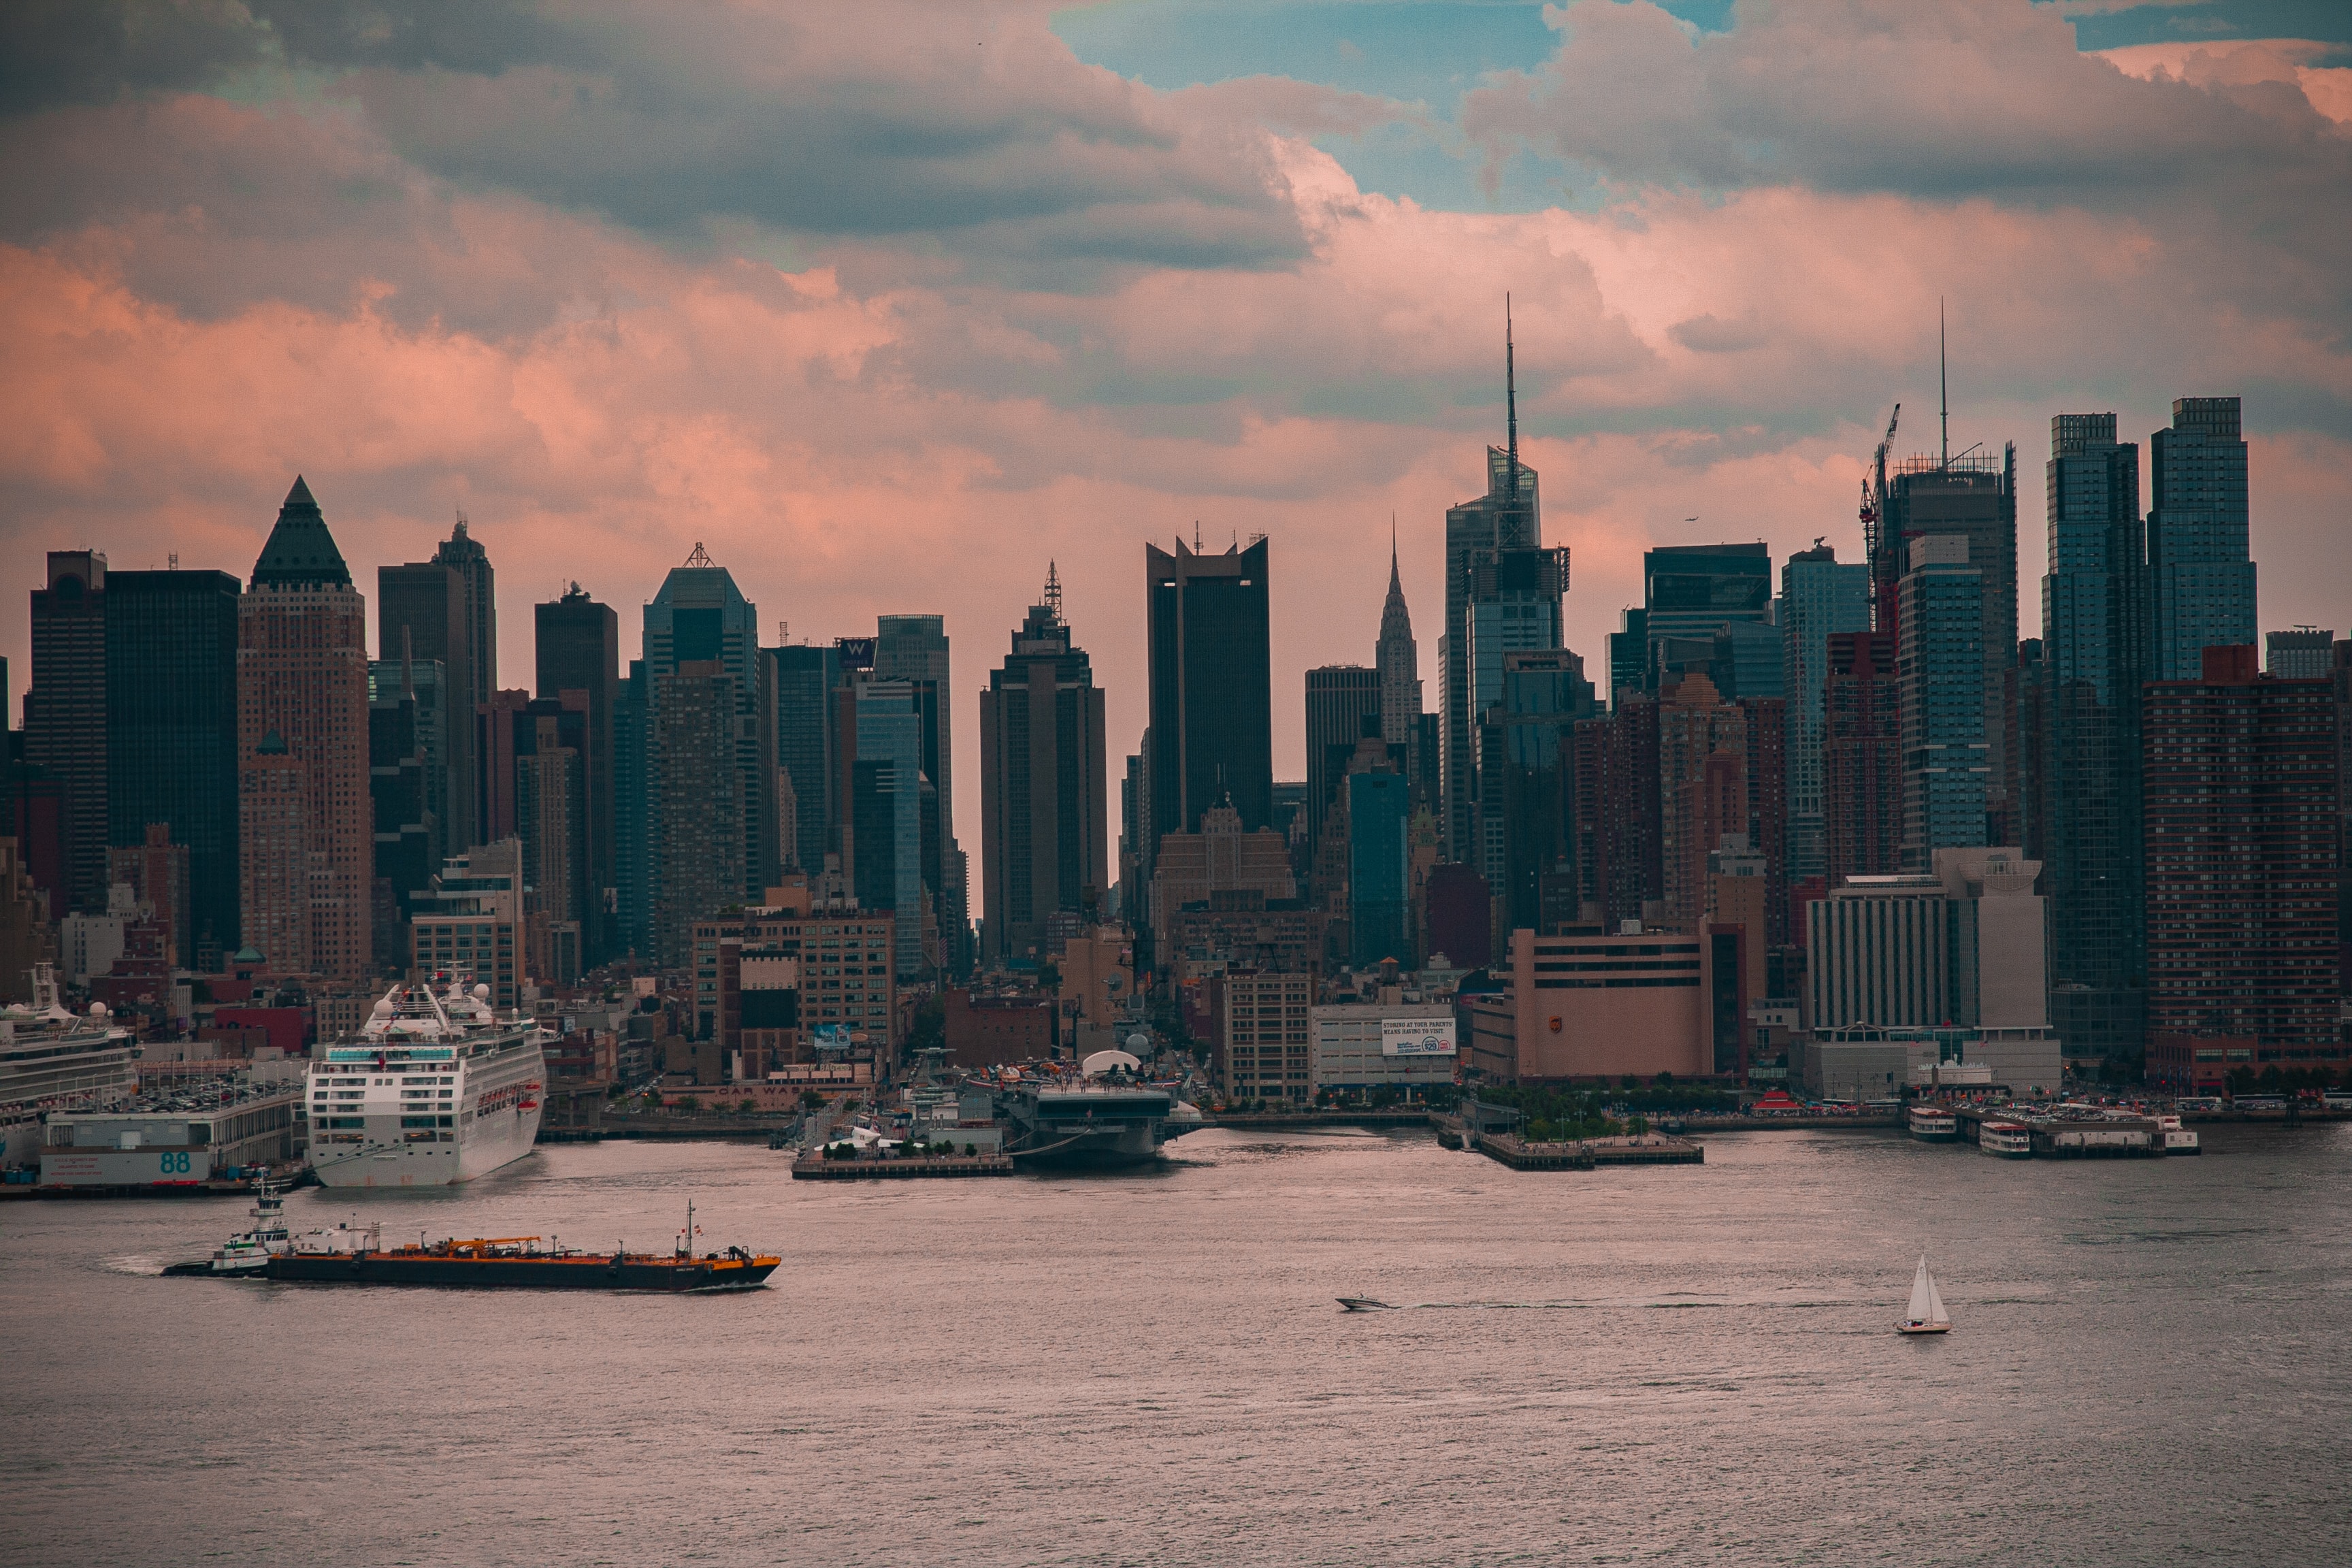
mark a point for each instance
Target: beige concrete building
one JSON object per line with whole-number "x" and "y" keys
{"x": 1269, "y": 1039}
{"x": 1588, "y": 1004}
{"x": 1221, "y": 857}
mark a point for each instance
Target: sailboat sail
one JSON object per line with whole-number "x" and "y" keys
{"x": 1925, "y": 1307}
{"x": 1935, "y": 1313}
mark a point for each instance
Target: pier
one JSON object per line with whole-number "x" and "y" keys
{"x": 813, "y": 1166}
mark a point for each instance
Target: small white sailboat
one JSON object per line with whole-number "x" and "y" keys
{"x": 1926, "y": 1314}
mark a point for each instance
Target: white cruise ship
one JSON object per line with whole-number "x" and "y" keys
{"x": 436, "y": 1088}
{"x": 52, "y": 1060}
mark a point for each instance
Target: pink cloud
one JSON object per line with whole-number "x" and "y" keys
{"x": 879, "y": 423}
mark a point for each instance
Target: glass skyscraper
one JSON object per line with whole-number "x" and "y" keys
{"x": 1820, "y": 597}
{"x": 1211, "y": 733}
{"x": 2199, "y": 561}
{"x": 887, "y": 777}
{"x": 170, "y": 732}
{"x": 1938, "y": 662}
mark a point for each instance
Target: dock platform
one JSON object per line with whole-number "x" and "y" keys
{"x": 813, "y": 1166}
{"x": 1589, "y": 1153}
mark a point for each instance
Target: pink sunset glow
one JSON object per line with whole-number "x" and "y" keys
{"x": 888, "y": 328}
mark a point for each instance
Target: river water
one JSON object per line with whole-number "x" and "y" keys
{"x": 2149, "y": 1364}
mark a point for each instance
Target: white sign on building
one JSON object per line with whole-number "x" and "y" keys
{"x": 1417, "y": 1037}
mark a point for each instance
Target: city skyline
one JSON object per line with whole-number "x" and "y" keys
{"x": 1271, "y": 352}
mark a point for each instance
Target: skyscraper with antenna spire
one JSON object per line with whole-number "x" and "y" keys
{"x": 1508, "y": 516}
{"x": 1398, "y": 660}
{"x": 1044, "y": 786}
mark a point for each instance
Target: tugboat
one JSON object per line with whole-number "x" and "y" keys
{"x": 248, "y": 1253}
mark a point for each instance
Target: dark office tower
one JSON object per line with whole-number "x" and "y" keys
{"x": 1766, "y": 770}
{"x": 631, "y": 898}
{"x": 1511, "y": 604}
{"x": 306, "y": 839}
{"x": 1629, "y": 652}
{"x": 1398, "y": 658}
{"x": 2200, "y": 562}
{"x": 2078, "y": 726}
{"x": 65, "y": 715}
{"x": 695, "y": 832}
{"x": 550, "y": 749}
{"x": 2243, "y": 840}
{"x": 2307, "y": 653}
{"x": 421, "y": 616}
{"x": 1379, "y": 908}
{"x": 1510, "y": 516}
{"x": 1820, "y": 597}
{"x": 914, "y": 648}
{"x": 699, "y": 618}
{"x": 803, "y": 677}
{"x": 884, "y": 838}
{"x": 1861, "y": 758}
{"x": 479, "y": 617}
{"x": 1974, "y": 498}
{"x": 1691, "y": 593}
{"x": 1526, "y": 764}
{"x": 1938, "y": 660}
{"x": 170, "y": 733}
{"x": 578, "y": 644}
{"x": 1211, "y": 693}
{"x": 1620, "y": 834}
{"x": 405, "y": 778}
{"x": 1044, "y": 785}
{"x": 1343, "y": 705}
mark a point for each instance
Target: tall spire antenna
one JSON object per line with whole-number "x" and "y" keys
{"x": 1053, "y": 592}
{"x": 1511, "y": 394}
{"x": 1944, "y": 380}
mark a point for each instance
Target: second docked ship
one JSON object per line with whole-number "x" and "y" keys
{"x": 436, "y": 1088}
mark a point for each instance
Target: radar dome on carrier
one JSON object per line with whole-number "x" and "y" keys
{"x": 481, "y": 992}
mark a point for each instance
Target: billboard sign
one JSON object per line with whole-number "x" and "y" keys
{"x": 1417, "y": 1037}
{"x": 830, "y": 1037}
{"x": 854, "y": 653}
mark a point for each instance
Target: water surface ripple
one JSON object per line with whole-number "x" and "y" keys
{"x": 1686, "y": 1364}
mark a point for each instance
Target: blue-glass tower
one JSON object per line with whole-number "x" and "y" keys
{"x": 2199, "y": 559}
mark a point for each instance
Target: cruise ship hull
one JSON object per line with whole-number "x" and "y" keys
{"x": 490, "y": 1144}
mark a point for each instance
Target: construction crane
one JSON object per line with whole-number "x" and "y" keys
{"x": 1873, "y": 489}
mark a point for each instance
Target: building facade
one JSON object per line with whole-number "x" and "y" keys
{"x": 171, "y": 738}
{"x": 1821, "y": 597}
{"x": 2245, "y": 845}
{"x": 305, "y": 835}
{"x": 1211, "y": 734}
{"x": 1269, "y": 1041}
{"x": 1947, "y": 758}
{"x": 1044, "y": 798}
{"x": 2199, "y": 553}
{"x": 65, "y": 716}
{"x": 578, "y": 649}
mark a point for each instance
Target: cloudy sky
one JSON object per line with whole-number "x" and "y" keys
{"x": 890, "y": 304}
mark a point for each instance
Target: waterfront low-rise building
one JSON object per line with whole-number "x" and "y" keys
{"x": 1588, "y": 1004}
{"x": 159, "y": 1140}
{"x": 1268, "y": 1036}
{"x": 1364, "y": 1046}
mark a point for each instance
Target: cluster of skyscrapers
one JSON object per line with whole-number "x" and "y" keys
{"x": 315, "y": 812}
{"x": 1769, "y": 764}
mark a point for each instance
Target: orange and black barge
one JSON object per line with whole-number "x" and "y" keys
{"x": 521, "y": 1263}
